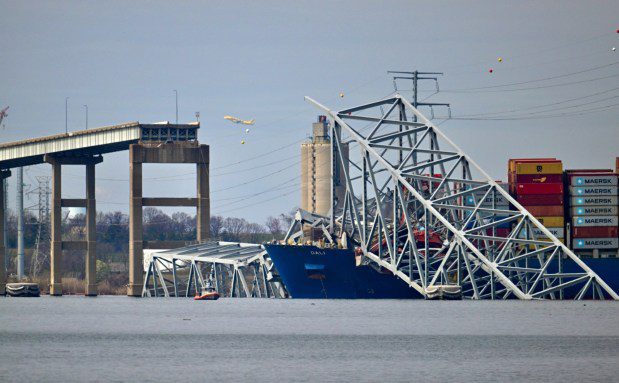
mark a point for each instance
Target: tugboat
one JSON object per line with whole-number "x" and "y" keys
{"x": 208, "y": 294}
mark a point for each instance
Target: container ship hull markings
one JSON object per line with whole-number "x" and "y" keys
{"x": 309, "y": 272}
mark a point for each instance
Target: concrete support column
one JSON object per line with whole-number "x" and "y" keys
{"x": 3, "y": 175}
{"x": 163, "y": 153}
{"x": 136, "y": 278}
{"x": 91, "y": 232}
{"x": 55, "y": 286}
{"x": 203, "y": 218}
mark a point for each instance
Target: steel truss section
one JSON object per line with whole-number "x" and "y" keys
{"x": 306, "y": 220}
{"x": 418, "y": 206}
{"x": 233, "y": 269}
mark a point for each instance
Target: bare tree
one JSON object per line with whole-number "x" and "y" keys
{"x": 254, "y": 232}
{"x": 274, "y": 225}
{"x": 217, "y": 224}
{"x": 234, "y": 227}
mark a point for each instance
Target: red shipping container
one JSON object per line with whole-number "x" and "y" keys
{"x": 499, "y": 232}
{"x": 540, "y": 200}
{"x": 503, "y": 232}
{"x": 527, "y": 189}
{"x": 595, "y": 232}
{"x": 546, "y": 211}
{"x": 535, "y": 179}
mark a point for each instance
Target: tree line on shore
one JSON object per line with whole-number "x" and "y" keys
{"x": 113, "y": 237}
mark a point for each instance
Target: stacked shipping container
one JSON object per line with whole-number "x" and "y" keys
{"x": 593, "y": 209}
{"x": 537, "y": 184}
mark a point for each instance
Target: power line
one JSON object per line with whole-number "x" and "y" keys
{"x": 570, "y": 106}
{"x": 535, "y": 80}
{"x": 542, "y": 105}
{"x": 532, "y": 88}
{"x": 258, "y": 178}
{"x": 257, "y": 203}
{"x": 570, "y": 44}
{"x": 251, "y": 195}
{"x": 219, "y": 206}
{"x": 574, "y": 113}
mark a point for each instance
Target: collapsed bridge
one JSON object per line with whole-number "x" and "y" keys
{"x": 416, "y": 205}
{"x": 239, "y": 270}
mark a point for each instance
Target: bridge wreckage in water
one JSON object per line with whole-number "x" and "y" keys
{"x": 417, "y": 206}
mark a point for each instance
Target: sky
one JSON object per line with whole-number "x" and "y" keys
{"x": 259, "y": 59}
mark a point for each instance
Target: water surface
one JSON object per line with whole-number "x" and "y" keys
{"x": 126, "y": 339}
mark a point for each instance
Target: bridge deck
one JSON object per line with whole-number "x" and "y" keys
{"x": 229, "y": 253}
{"x": 92, "y": 141}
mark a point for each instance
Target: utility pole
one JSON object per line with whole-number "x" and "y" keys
{"x": 66, "y": 115}
{"x": 20, "y": 223}
{"x": 86, "y": 106}
{"x": 176, "y": 97}
{"x": 4, "y": 114}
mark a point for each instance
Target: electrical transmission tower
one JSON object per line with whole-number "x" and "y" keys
{"x": 5, "y": 225}
{"x": 42, "y": 241}
{"x": 415, "y": 77}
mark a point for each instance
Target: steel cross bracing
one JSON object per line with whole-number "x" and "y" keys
{"x": 232, "y": 269}
{"x": 418, "y": 206}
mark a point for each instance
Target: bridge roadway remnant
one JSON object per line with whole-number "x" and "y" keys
{"x": 147, "y": 143}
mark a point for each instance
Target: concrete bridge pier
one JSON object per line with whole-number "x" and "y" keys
{"x": 3, "y": 175}
{"x": 164, "y": 153}
{"x": 58, "y": 245}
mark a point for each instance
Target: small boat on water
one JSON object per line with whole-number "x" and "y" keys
{"x": 208, "y": 294}
{"x": 22, "y": 289}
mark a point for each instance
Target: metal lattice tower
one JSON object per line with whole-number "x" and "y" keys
{"x": 418, "y": 206}
{"x": 5, "y": 186}
{"x": 41, "y": 246}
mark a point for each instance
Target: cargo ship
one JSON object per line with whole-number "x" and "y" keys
{"x": 579, "y": 207}
{"x": 310, "y": 272}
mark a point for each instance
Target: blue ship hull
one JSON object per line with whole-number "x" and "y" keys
{"x": 605, "y": 268}
{"x": 313, "y": 273}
